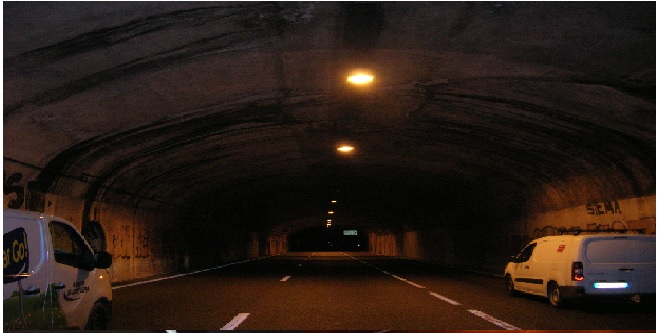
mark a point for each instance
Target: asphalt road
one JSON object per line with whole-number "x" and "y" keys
{"x": 349, "y": 291}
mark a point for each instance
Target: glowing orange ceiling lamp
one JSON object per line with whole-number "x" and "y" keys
{"x": 346, "y": 149}
{"x": 360, "y": 77}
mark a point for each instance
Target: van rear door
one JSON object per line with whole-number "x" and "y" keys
{"x": 620, "y": 265}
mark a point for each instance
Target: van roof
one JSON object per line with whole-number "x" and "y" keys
{"x": 23, "y": 213}
{"x": 600, "y": 235}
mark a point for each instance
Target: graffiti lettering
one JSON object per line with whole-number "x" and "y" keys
{"x": 141, "y": 243}
{"x": 118, "y": 244}
{"x": 11, "y": 188}
{"x": 601, "y": 208}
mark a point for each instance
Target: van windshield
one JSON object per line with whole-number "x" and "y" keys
{"x": 621, "y": 250}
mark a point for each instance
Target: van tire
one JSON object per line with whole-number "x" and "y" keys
{"x": 510, "y": 288}
{"x": 554, "y": 295}
{"x": 97, "y": 318}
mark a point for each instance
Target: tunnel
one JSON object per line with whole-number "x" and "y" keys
{"x": 182, "y": 135}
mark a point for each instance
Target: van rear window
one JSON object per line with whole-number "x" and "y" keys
{"x": 620, "y": 250}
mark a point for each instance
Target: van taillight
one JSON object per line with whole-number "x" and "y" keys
{"x": 578, "y": 271}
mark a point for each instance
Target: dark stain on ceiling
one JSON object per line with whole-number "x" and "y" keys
{"x": 237, "y": 108}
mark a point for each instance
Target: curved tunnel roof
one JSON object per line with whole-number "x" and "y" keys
{"x": 239, "y": 107}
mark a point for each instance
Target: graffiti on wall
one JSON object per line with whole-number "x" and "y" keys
{"x": 14, "y": 191}
{"x": 604, "y": 207}
{"x": 142, "y": 243}
{"x": 122, "y": 243}
{"x": 553, "y": 231}
{"x": 142, "y": 236}
{"x": 21, "y": 194}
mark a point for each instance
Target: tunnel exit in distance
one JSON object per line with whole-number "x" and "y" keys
{"x": 325, "y": 239}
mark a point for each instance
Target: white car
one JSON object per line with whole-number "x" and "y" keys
{"x": 52, "y": 279}
{"x": 569, "y": 267}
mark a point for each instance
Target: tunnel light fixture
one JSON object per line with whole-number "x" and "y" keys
{"x": 345, "y": 149}
{"x": 334, "y": 201}
{"x": 329, "y": 221}
{"x": 360, "y": 77}
{"x": 330, "y": 212}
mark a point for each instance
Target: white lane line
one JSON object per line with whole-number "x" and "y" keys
{"x": 409, "y": 282}
{"x": 300, "y": 265}
{"x": 285, "y": 278}
{"x": 384, "y": 272}
{"x": 180, "y": 275}
{"x": 149, "y": 281}
{"x": 452, "y": 302}
{"x": 235, "y": 322}
{"x": 483, "y": 315}
{"x": 497, "y": 322}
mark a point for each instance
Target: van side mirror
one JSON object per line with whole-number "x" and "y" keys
{"x": 86, "y": 260}
{"x": 102, "y": 259}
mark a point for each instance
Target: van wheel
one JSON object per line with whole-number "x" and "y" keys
{"x": 554, "y": 295}
{"x": 510, "y": 288}
{"x": 97, "y": 319}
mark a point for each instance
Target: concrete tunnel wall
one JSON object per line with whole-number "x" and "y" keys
{"x": 144, "y": 240}
{"x": 487, "y": 249}
{"x": 149, "y": 238}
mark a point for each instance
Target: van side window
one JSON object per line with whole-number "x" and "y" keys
{"x": 526, "y": 253}
{"x": 68, "y": 246}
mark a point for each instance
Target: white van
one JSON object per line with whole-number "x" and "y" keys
{"x": 52, "y": 279}
{"x": 569, "y": 267}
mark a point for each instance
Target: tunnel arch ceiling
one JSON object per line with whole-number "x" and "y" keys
{"x": 237, "y": 108}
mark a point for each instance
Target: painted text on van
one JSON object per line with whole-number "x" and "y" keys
{"x": 15, "y": 256}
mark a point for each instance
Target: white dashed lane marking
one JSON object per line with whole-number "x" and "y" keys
{"x": 497, "y": 322}
{"x": 409, "y": 282}
{"x": 237, "y": 320}
{"x": 452, "y": 302}
{"x": 477, "y": 313}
